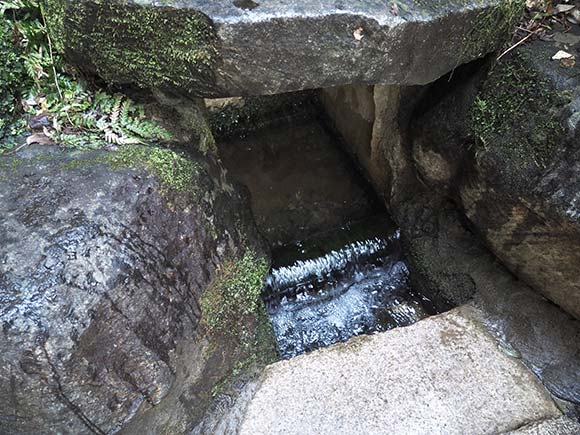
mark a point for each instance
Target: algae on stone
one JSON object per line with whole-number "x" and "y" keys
{"x": 152, "y": 46}
{"x": 517, "y": 113}
{"x": 234, "y": 293}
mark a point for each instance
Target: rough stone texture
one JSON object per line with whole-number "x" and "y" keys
{"x": 445, "y": 257}
{"x": 438, "y": 138}
{"x": 434, "y": 145}
{"x": 221, "y": 48}
{"x": 373, "y": 122}
{"x": 516, "y": 178}
{"x": 509, "y": 159}
{"x": 101, "y": 272}
{"x": 521, "y": 189}
{"x": 555, "y": 426}
{"x": 444, "y": 372}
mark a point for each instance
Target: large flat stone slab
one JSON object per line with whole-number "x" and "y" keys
{"x": 215, "y": 48}
{"x": 554, "y": 426}
{"x": 442, "y": 375}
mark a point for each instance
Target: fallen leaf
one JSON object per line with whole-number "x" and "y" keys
{"x": 563, "y": 8}
{"x": 562, "y": 55}
{"x": 568, "y": 62}
{"x": 39, "y": 138}
{"x": 358, "y": 34}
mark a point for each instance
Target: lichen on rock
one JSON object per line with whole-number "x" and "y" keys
{"x": 509, "y": 119}
{"x": 152, "y": 46}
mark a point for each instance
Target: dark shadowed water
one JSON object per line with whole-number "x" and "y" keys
{"x": 343, "y": 283}
{"x": 300, "y": 180}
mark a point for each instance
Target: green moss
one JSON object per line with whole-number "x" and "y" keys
{"x": 193, "y": 119}
{"x": 234, "y": 295}
{"x": 495, "y": 24}
{"x": 174, "y": 171}
{"x": 518, "y": 112}
{"x": 54, "y": 15}
{"x": 152, "y": 46}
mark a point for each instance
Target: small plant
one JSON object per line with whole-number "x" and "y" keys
{"x": 62, "y": 108}
{"x": 235, "y": 293}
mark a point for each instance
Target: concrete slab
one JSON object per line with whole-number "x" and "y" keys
{"x": 554, "y": 426}
{"x": 443, "y": 375}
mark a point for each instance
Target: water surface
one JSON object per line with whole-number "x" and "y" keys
{"x": 339, "y": 284}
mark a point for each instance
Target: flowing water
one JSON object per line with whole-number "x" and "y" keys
{"x": 340, "y": 284}
{"x": 330, "y": 285}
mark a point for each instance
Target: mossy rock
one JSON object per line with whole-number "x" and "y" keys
{"x": 219, "y": 48}
{"x": 135, "y": 43}
{"x": 129, "y": 244}
{"x": 517, "y": 120}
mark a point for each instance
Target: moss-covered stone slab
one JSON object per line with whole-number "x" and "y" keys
{"x": 220, "y": 48}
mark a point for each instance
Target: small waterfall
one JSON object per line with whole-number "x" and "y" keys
{"x": 358, "y": 288}
{"x": 320, "y": 272}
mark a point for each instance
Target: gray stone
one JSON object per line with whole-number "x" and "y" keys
{"x": 555, "y": 426}
{"x": 103, "y": 263}
{"x": 520, "y": 189}
{"x": 221, "y": 48}
{"x": 444, "y": 373}
{"x": 447, "y": 259}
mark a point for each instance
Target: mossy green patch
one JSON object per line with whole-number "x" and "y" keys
{"x": 495, "y": 24}
{"x": 125, "y": 42}
{"x": 11, "y": 75}
{"x": 518, "y": 113}
{"x": 234, "y": 294}
{"x": 175, "y": 171}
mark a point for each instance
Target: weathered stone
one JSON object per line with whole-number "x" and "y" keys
{"x": 554, "y": 426}
{"x": 520, "y": 190}
{"x": 444, "y": 372}
{"x": 221, "y": 48}
{"x": 373, "y": 121}
{"x": 446, "y": 258}
{"x": 106, "y": 260}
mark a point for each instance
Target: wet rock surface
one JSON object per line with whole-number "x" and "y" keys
{"x": 446, "y": 257}
{"x": 102, "y": 267}
{"x": 444, "y": 372}
{"x": 511, "y": 162}
{"x": 221, "y": 48}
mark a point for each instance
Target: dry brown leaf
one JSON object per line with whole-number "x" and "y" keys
{"x": 568, "y": 63}
{"x": 39, "y": 138}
